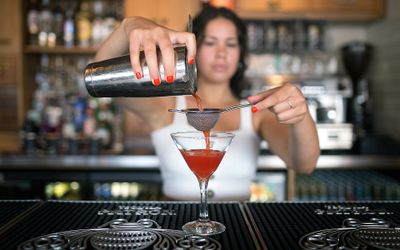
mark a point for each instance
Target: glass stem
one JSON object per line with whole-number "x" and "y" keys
{"x": 203, "y": 200}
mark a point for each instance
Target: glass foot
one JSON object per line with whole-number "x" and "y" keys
{"x": 203, "y": 228}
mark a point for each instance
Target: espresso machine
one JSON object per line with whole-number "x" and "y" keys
{"x": 327, "y": 101}
{"x": 356, "y": 58}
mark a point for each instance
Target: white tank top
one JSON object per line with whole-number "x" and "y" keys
{"x": 232, "y": 179}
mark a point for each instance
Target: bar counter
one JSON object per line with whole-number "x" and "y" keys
{"x": 151, "y": 162}
{"x": 91, "y": 172}
{"x": 36, "y": 224}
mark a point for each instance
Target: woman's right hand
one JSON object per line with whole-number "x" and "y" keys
{"x": 146, "y": 35}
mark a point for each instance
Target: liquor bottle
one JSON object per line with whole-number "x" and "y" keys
{"x": 52, "y": 128}
{"x": 110, "y": 20}
{"x": 314, "y": 37}
{"x": 284, "y": 38}
{"x": 79, "y": 113}
{"x": 89, "y": 124}
{"x": 69, "y": 26}
{"x": 42, "y": 78}
{"x": 29, "y": 132}
{"x": 68, "y": 132}
{"x": 105, "y": 118}
{"x": 53, "y": 113}
{"x": 270, "y": 36}
{"x": 45, "y": 23}
{"x": 59, "y": 79}
{"x": 117, "y": 132}
{"x": 98, "y": 22}
{"x": 104, "y": 135}
{"x": 33, "y": 22}
{"x": 58, "y": 25}
{"x": 251, "y": 36}
{"x": 84, "y": 24}
{"x": 299, "y": 35}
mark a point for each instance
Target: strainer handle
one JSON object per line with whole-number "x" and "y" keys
{"x": 238, "y": 106}
{"x": 177, "y": 110}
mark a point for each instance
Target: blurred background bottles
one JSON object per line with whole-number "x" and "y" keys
{"x": 347, "y": 185}
{"x": 63, "y": 118}
{"x": 121, "y": 191}
{"x": 126, "y": 191}
{"x": 285, "y": 36}
{"x": 69, "y": 23}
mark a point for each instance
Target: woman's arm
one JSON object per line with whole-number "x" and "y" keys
{"x": 138, "y": 33}
{"x": 284, "y": 121}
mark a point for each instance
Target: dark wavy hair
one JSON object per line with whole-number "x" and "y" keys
{"x": 237, "y": 82}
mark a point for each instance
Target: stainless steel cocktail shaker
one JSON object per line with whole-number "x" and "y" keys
{"x": 115, "y": 78}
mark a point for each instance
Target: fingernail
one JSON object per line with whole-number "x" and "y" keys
{"x": 156, "y": 81}
{"x": 138, "y": 75}
{"x": 254, "y": 109}
{"x": 191, "y": 61}
{"x": 170, "y": 79}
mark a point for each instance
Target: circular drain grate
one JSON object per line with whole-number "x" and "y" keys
{"x": 120, "y": 234}
{"x": 379, "y": 238}
{"x": 123, "y": 240}
{"x": 351, "y": 238}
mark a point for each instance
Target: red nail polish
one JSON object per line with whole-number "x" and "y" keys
{"x": 170, "y": 79}
{"x": 138, "y": 75}
{"x": 254, "y": 109}
{"x": 156, "y": 81}
{"x": 191, "y": 61}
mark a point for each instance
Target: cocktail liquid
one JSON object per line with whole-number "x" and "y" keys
{"x": 203, "y": 162}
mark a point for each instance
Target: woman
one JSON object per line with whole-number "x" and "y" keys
{"x": 280, "y": 115}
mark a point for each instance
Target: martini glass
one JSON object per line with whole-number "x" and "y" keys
{"x": 203, "y": 153}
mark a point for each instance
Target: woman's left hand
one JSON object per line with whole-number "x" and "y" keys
{"x": 287, "y": 103}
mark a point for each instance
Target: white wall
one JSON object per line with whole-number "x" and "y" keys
{"x": 385, "y": 71}
{"x": 337, "y": 34}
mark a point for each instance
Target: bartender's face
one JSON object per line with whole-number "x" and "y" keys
{"x": 219, "y": 53}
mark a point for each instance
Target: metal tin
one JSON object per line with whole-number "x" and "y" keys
{"x": 115, "y": 78}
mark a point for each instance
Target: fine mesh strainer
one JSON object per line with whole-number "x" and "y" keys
{"x": 205, "y": 120}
